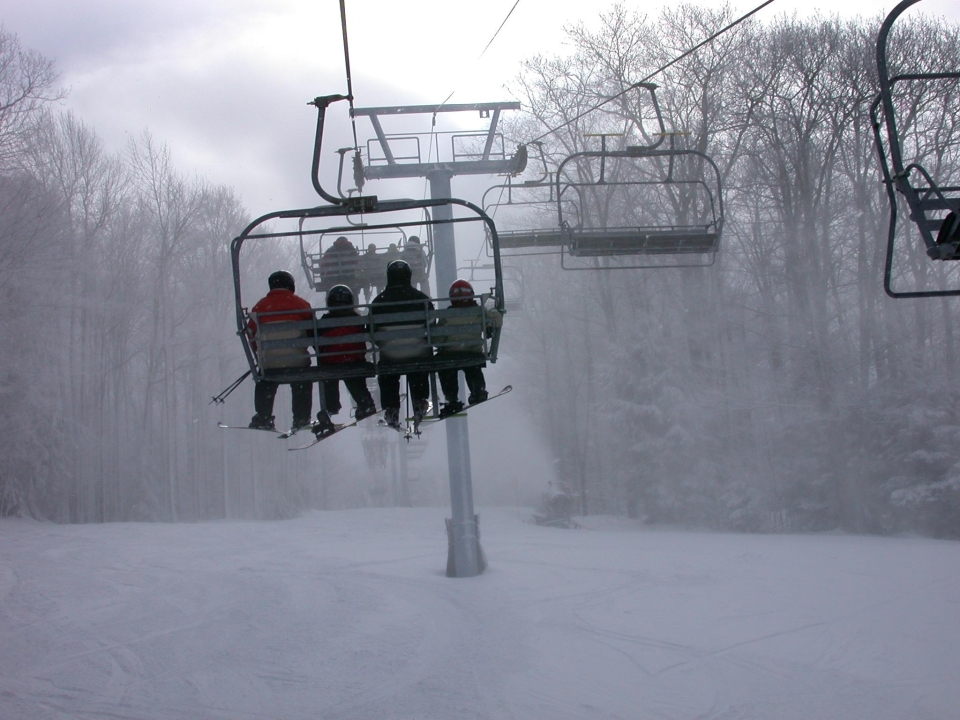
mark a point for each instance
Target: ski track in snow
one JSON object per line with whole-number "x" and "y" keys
{"x": 347, "y": 615}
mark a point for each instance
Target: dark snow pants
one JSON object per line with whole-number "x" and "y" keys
{"x": 450, "y": 383}
{"x": 265, "y": 393}
{"x": 356, "y": 386}
{"x": 390, "y": 388}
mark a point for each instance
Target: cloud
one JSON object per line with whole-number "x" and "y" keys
{"x": 81, "y": 35}
{"x": 224, "y": 85}
{"x": 225, "y": 82}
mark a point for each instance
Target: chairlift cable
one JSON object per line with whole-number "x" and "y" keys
{"x": 433, "y": 124}
{"x": 487, "y": 47}
{"x": 482, "y": 52}
{"x": 346, "y": 58}
{"x": 433, "y": 120}
{"x": 655, "y": 72}
{"x": 346, "y": 62}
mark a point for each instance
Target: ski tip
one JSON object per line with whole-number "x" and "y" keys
{"x": 507, "y": 389}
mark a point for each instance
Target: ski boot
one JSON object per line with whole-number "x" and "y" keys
{"x": 300, "y": 424}
{"x": 478, "y": 397}
{"x": 420, "y": 408}
{"x": 451, "y": 408}
{"x": 365, "y": 410}
{"x": 262, "y": 422}
{"x": 391, "y": 416}
{"x": 324, "y": 425}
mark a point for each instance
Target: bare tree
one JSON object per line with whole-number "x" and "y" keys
{"x": 26, "y": 86}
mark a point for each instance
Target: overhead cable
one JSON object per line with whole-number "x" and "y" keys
{"x": 499, "y": 29}
{"x": 486, "y": 47}
{"x": 346, "y": 62}
{"x": 655, "y": 72}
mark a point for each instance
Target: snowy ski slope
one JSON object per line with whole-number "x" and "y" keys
{"x": 347, "y": 615}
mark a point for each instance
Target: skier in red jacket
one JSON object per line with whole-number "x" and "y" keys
{"x": 349, "y": 354}
{"x": 280, "y": 298}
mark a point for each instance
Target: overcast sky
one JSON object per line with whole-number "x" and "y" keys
{"x": 225, "y": 82}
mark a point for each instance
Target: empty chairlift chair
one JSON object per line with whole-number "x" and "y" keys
{"x": 639, "y": 206}
{"x": 635, "y": 207}
{"x": 525, "y": 211}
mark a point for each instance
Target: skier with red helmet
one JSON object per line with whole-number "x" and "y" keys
{"x": 463, "y": 343}
{"x": 347, "y": 354}
{"x": 289, "y": 307}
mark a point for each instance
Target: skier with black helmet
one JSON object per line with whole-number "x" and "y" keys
{"x": 348, "y": 354}
{"x": 458, "y": 338}
{"x": 371, "y": 271}
{"x": 401, "y": 297}
{"x": 339, "y": 264}
{"x": 288, "y": 307}
{"x": 413, "y": 255}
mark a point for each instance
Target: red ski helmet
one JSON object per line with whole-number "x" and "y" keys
{"x": 461, "y": 293}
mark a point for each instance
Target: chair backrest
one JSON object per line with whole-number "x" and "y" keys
{"x": 423, "y": 340}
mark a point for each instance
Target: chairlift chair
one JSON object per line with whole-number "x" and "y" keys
{"x": 512, "y": 203}
{"x": 629, "y": 208}
{"x": 363, "y": 269}
{"x": 643, "y": 206}
{"x": 934, "y": 206}
{"x": 346, "y": 216}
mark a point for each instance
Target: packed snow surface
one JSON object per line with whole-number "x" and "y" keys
{"x": 348, "y": 614}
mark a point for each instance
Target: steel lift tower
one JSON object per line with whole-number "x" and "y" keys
{"x": 488, "y": 160}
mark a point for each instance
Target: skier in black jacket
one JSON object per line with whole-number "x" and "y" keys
{"x": 401, "y": 297}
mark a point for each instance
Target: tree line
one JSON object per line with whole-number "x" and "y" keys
{"x": 779, "y": 389}
{"x": 119, "y": 326}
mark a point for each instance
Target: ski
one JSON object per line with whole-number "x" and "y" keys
{"x": 290, "y": 433}
{"x": 336, "y": 428}
{"x": 506, "y": 389}
{"x": 224, "y": 426}
{"x": 463, "y": 413}
{"x": 440, "y": 418}
{"x": 321, "y": 438}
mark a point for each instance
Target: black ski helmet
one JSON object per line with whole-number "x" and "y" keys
{"x": 282, "y": 279}
{"x": 339, "y": 296}
{"x": 399, "y": 273}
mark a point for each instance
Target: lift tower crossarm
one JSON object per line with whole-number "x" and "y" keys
{"x": 431, "y": 109}
{"x": 484, "y": 166}
{"x": 460, "y": 167}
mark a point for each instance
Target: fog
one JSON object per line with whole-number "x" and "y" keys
{"x": 778, "y": 389}
{"x": 759, "y": 459}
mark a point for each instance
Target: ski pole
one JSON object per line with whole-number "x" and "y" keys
{"x": 218, "y": 400}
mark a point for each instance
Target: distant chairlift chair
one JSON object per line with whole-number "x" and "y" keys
{"x": 615, "y": 207}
